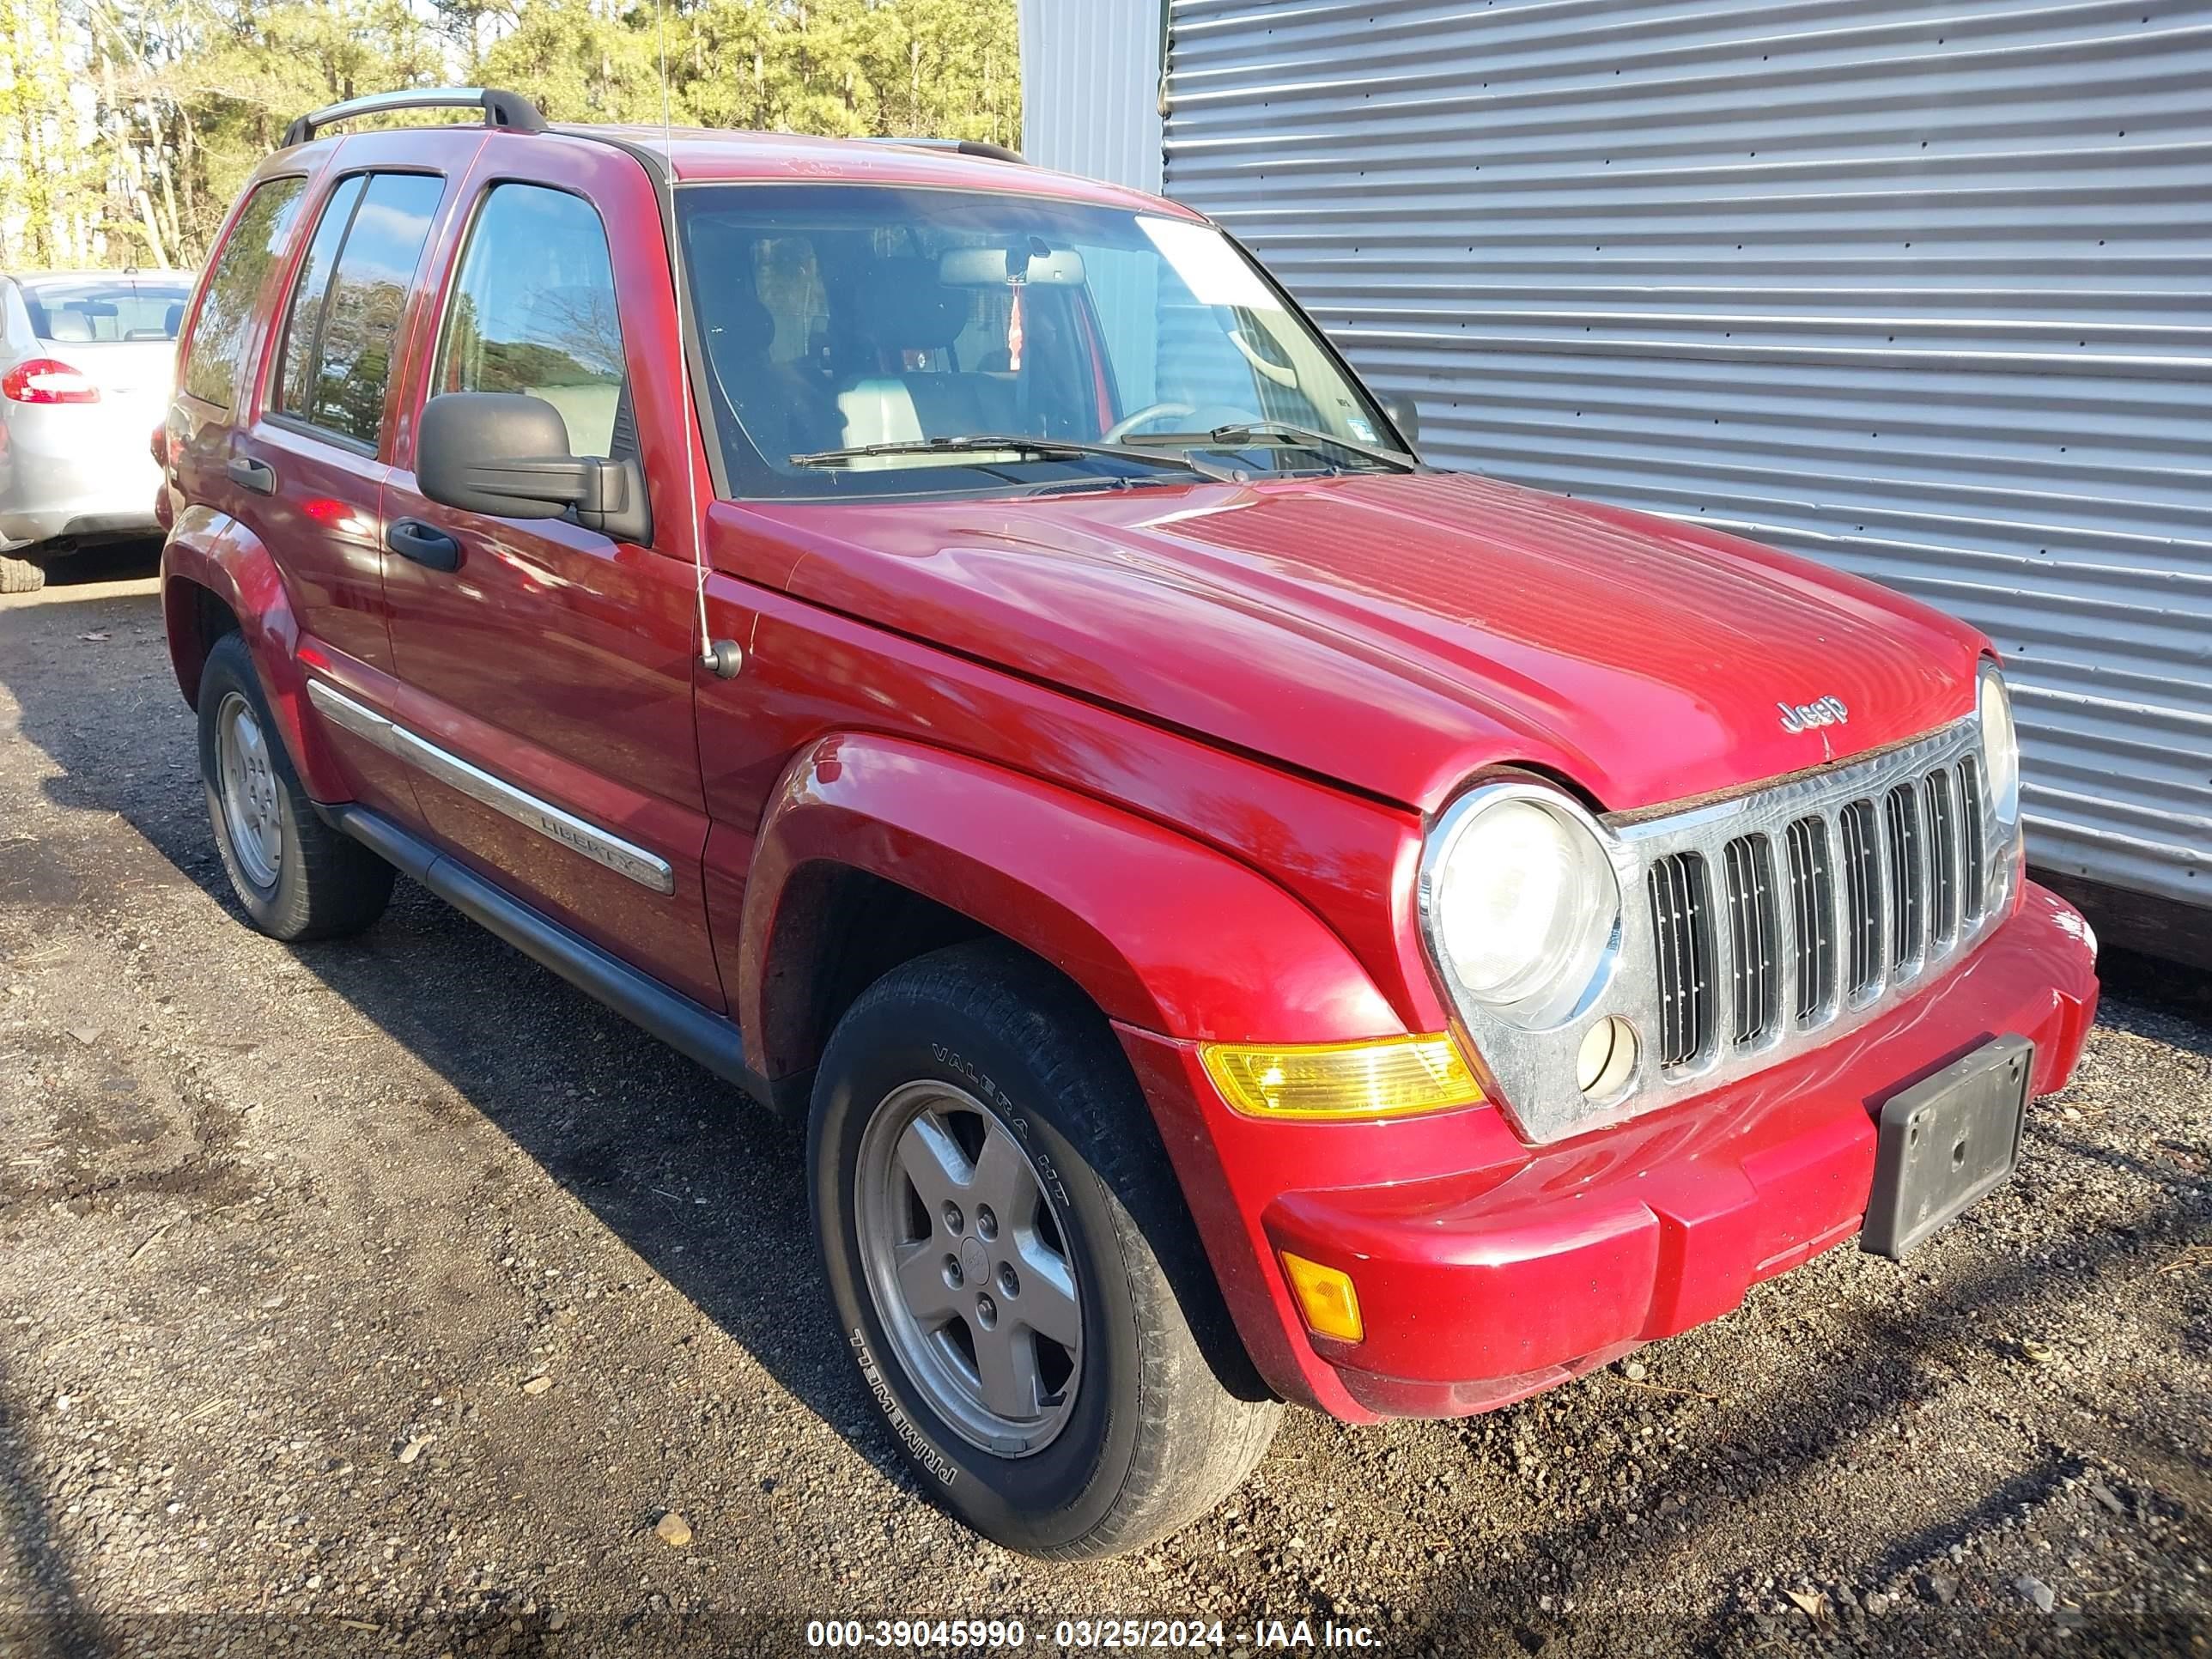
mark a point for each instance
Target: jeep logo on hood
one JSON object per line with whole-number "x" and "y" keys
{"x": 1821, "y": 711}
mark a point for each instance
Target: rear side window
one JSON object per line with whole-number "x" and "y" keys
{"x": 534, "y": 312}
{"x": 348, "y": 303}
{"x": 214, "y": 354}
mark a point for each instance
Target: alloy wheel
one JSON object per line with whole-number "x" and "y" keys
{"x": 247, "y": 782}
{"x": 968, "y": 1266}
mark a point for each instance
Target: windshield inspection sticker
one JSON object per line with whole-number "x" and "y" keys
{"x": 1213, "y": 272}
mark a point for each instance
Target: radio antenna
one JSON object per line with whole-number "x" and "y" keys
{"x": 710, "y": 656}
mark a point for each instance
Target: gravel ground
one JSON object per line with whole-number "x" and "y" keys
{"x": 383, "y": 1295}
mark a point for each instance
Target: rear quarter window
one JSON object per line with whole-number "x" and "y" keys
{"x": 216, "y": 349}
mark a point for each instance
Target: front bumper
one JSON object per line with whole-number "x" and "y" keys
{"x": 1488, "y": 1269}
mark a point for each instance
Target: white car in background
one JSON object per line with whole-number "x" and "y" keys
{"x": 87, "y": 359}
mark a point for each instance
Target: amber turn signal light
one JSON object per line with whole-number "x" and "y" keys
{"x": 1391, "y": 1077}
{"x": 1326, "y": 1298}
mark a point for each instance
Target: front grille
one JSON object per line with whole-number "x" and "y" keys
{"x": 1682, "y": 933}
{"x": 1754, "y": 974}
{"x": 1861, "y": 890}
{"x": 1812, "y": 918}
{"x": 1973, "y": 867}
{"x": 1762, "y": 922}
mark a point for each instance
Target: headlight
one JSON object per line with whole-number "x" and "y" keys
{"x": 2000, "y": 744}
{"x": 1519, "y": 901}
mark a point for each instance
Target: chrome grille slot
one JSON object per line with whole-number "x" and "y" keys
{"x": 1901, "y": 850}
{"x": 1861, "y": 896}
{"x": 1974, "y": 867}
{"x": 1755, "y": 973}
{"x": 1683, "y": 934}
{"x": 1940, "y": 812}
{"x": 1811, "y": 919}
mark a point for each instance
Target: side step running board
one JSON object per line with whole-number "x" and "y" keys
{"x": 691, "y": 1029}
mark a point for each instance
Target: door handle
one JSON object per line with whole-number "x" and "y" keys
{"x": 426, "y": 544}
{"x": 248, "y": 473}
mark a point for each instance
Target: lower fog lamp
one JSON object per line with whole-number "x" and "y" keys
{"x": 1606, "y": 1060}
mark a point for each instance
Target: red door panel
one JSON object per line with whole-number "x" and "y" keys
{"x": 324, "y": 521}
{"x": 560, "y": 662}
{"x": 555, "y": 660}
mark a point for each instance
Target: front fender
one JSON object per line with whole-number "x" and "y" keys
{"x": 212, "y": 553}
{"x": 1161, "y": 933}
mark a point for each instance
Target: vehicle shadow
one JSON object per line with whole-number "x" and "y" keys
{"x": 704, "y": 1186}
{"x": 104, "y": 561}
{"x": 2152, "y": 998}
{"x": 703, "y": 1183}
{"x": 52, "y": 1619}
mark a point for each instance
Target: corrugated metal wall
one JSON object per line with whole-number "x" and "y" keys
{"x": 1923, "y": 290}
{"x": 1091, "y": 76}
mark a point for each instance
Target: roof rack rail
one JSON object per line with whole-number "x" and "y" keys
{"x": 510, "y": 109}
{"x": 964, "y": 146}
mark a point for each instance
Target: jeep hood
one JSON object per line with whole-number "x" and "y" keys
{"x": 1395, "y": 632}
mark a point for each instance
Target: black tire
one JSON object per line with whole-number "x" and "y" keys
{"x": 325, "y": 883}
{"x": 21, "y": 576}
{"x": 1152, "y": 1436}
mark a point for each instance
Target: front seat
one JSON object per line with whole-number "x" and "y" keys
{"x": 903, "y": 307}
{"x": 780, "y": 412}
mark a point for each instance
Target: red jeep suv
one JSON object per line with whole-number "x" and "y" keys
{"x": 1243, "y": 915}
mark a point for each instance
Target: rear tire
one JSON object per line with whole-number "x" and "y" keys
{"x": 1050, "y": 1232}
{"x": 297, "y": 878}
{"x": 21, "y": 576}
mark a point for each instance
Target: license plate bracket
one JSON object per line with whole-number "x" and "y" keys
{"x": 1945, "y": 1143}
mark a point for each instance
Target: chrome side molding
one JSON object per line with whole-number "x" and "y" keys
{"x": 602, "y": 847}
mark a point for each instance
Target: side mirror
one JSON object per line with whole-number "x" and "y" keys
{"x": 506, "y": 454}
{"x": 1406, "y": 416}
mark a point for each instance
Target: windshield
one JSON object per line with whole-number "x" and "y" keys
{"x": 846, "y": 325}
{"x": 118, "y": 308}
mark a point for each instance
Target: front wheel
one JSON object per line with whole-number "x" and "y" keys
{"x": 1014, "y": 1273}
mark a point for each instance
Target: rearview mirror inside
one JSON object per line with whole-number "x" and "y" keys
{"x": 991, "y": 267}
{"x": 1406, "y": 416}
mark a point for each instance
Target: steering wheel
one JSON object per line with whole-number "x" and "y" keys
{"x": 1151, "y": 412}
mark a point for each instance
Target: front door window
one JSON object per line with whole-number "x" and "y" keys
{"x": 534, "y": 312}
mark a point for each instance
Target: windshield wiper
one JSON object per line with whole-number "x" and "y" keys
{"x": 1042, "y": 448}
{"x": 1091, "y": 486}
{"x": 1243, "y": 432}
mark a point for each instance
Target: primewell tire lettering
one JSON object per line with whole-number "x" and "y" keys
{"x": 927, "y": 1455}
